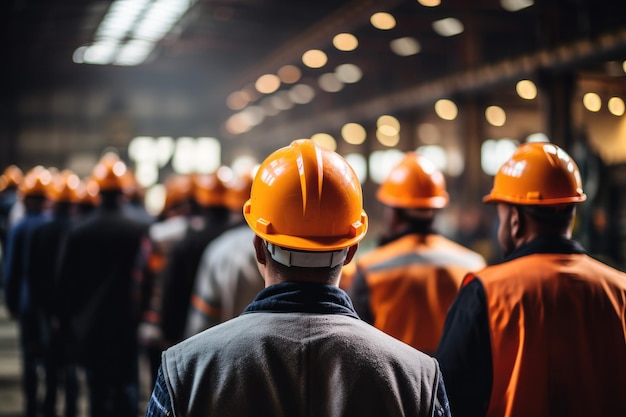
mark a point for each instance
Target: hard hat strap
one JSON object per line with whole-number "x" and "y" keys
{"x": 306, "y": 259}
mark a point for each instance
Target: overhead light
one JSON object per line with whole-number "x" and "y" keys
{"x": 267, "y": 84}
{"x": 526, "y": 89}
{"x": 406, "y": 46}
{"x": 325, "y": 140}
{"x": 448, "y": 27}
{"x": 515, "y": 5}
{"x": 429, "y": 3}
{"x": 348, "y": 73}
{"x": 289, "y": 74}
{"x": 314, "y": 58}
{"x": 592, "y": 102}
{"x": 353, "y": 133}
{"x": 329, "y": 82}
{"x": 345, "y": 42}
{"x": 616, "y": 106}
{"x": 383, "y": 21}
{"x": 446, "y": 109}
{"x": 495, "y": 115}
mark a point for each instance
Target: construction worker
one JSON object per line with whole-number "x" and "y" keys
{"x": 299, "y": 348}
{"x": 100, "y": 296}
{"x": 406, "y": 285}
{"x": 543, "y": 332}
{"x": 17, "y": 286}
{"x": 179, "y": 272}
{"x": 46, "y": 241}
{"x": 171, "y": 227}
{"x": 9, "y": 182}
{"x": 228, "y": 278}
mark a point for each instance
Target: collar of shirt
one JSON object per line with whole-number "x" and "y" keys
{"x": 547, "y": 244}
{"x": 302, "y": 297}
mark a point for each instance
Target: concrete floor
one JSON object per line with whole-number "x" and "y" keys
{"x": 11, "y": 402}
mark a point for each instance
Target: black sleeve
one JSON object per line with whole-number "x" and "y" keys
{"x": 359, "y": 294}
{"x": 464, "y": 352}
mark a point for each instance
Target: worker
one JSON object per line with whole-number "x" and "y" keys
{"x": 17, "y": 285}
{"x": 179, "y": 272}
{"x": 100, "y": 297}
{"x": 170, "y": 227}
{"x": 299, "y": 348}
{"x": 542, "y": 333}
{"x": 9, "y": 182}
{"x": 228, "y": 278}
{"x": 405, "y": 286}
{"x": 46, "y": 241}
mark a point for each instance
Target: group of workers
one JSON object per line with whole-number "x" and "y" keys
{"x": 248, "y": 296}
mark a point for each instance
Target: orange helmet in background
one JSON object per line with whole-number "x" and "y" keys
{"x": 209, "y": 190}
{"x": 12, "y": 175}
{"x": 178, "y": 188}
{"x": 88, "y": 192}
{"x": 110, "y": 173}
{"x": 538, "y": 173}
{"x": 414, "y": 183}
{"x": 36, "y": 182}
{"x": 238, "y": 192}
{"x": 64, "y": 187}
{"x": 308, "y": 198}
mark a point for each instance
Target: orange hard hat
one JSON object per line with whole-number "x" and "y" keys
{"x": 36, "y": 182}
{"x": 178, "y": 188}
{"x": 209, "y": 190}
{"x": 87, "y": 192}
{"x": 110, "y": 173}
{"x": 13, "y": 175}
{"x": 538, "y": 173}
{"x": 308, "y": 198}
{"x": 238, "y": 192}
{"x": 64, "y": 187}
{"x": 414, "y": 183}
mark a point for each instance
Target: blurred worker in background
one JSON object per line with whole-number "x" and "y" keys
{"x": 17, "y": 286}
{"x": 9, "y": 182}
{"x": 543, "y": 332}
{"x": 299, "y": 348}
{"x": 135, "y": 195}
{"x": 100, "y": 296}
{"x": 406, "y": 285}
{"x": 46, "y": 242}
{"x": 228, "y": 278}
{"x": 179, "y": 272}
{"x": 170, "y": 227}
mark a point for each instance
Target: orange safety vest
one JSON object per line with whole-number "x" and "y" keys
{"x": 558, "y": 336}
{"x": 412, "y": 282}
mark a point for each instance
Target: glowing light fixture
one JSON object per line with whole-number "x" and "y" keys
{"x": 406, "y": 46}
{"x": 329, "y": 82}
{"x": 526, "y": 89}
{"x": 289, "y": 74}
{"x": 428, "y": 133}
{"x": 348, "y": 73}
{"x": 267, "y": 84}
{"x": 314, "y": 58}
{"x": 381, "y": 163}
{"x": 448, "y": 27}
{"x": 383, "y": 21}
{"x": 592, "y": 102}
{"x": 515, "y": 5}
{"x": 353, "y": 133}
{"x": 495, "y": 115}
{"x": 429, "y": 3}
{"x": 359, "y": 165}
{"x": 237, "y": 100}
{"x": 616, "y": 106}
{"x": 325, "y": 140}
{"x": 493, "y": 153}
{"x": 446, "y": 109}
{"x": 345, "y": 42}
{"x": 301, "y": 94}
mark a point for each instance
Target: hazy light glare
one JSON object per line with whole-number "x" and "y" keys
{"x": 237, "y": 100}
{"x": 345, "y": 42}
{"x": 314, "y": 58}
{"x": 436, "y": 154}
{"x": 381, "y": 163}
{"x": 100, "y": 53}
{"x": 383, "y": 21}
{"x": 184, "y": 159}
{"x": 428, "y": 133}
{"x": 387, "y": 140}
{"x": 493, "y": 153}
{"x": 526, "y": 89}
{"x": 495, "y": 116}
{"x": 387, "y": 120}
{"x": 537, "y": 137}
{"x": 515, "y": 5}
{"x": 208, "y": 155}
{"x": 301, "y": 94}
{"x": 616, "y": 106}
{"x": 592, "y": 102}
{"x": 448, "y": 27}
{"x": 253, "y": 115}
{"x": 289, "y": 74}
{"x": 268, "y": 107}
{"x": 282, "y": 101}
{"x": 267, "y": 84}
{"x": 146, "y": 173}
{"x": 406, "y": 46}
{"x": 142, "y": 148}
{"x": 236, "y": 124}
{"x": 325, "y": 140}
{"x": 134, "y": 52}
{"x": 359, "y": 165}
{"x": 348, "y": 73}
{"x": 353, "y": 133}
{"x": 624, "y": 66}
{"x": 329, "y": 82}
{"x": 446, "y": 109}
{"x": 155, "y": 199}
{"x": 165, "y": 149}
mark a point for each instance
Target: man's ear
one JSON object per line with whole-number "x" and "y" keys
{"x": 351, "y": 252}
{"x": 259, "y": 248}
{"x": 516, "y": 222}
